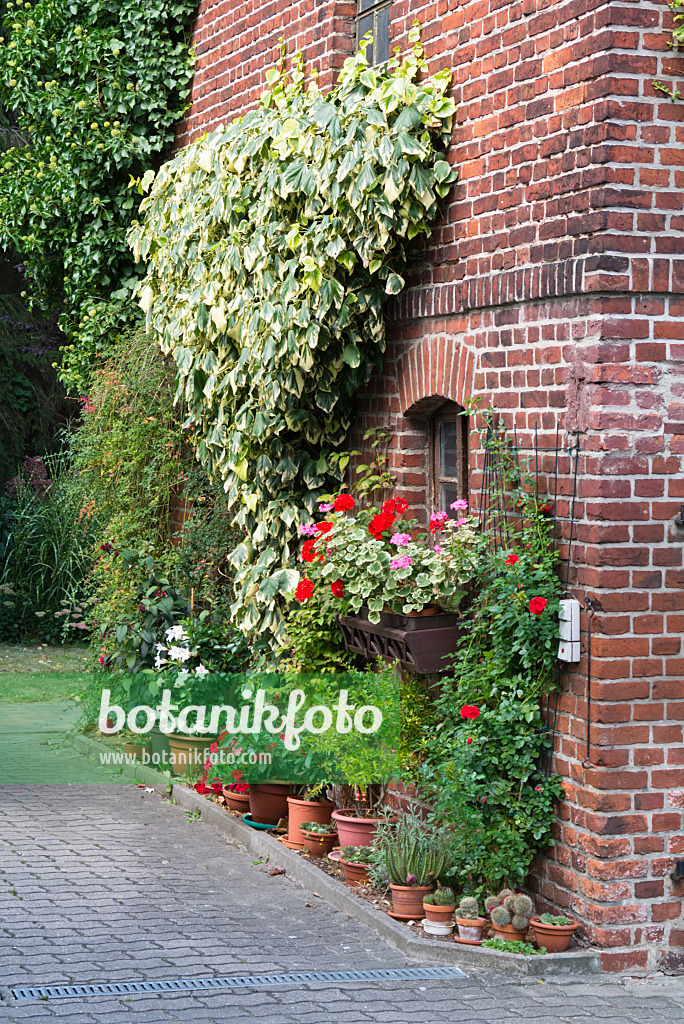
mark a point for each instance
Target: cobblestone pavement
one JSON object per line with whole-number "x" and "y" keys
{"x": 110, "y": 883}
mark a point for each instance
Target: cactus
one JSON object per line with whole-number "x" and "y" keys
{"x": 468, "y": 908}
{"x": 491, "y": 902}
{"x": 523, "y": 905}
{"x": 520, "y": 922}
{"x": 413, "y": 849}
{"x": 509, "y": 904}
{"x": 504, "y": 893}
{"x": 500, "y": 916}
{"x": 444, "y": 898}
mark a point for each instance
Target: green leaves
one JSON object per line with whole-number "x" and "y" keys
{"x": 279, "y": 231}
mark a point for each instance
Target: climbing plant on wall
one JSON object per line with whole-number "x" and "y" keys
{"x": 271, "y": 246}
{"x": 94, "y": 89}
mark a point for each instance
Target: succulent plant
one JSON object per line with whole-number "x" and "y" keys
{"x": 511, "y": 908}
{"x": 318, "y": 828}
{"x": 550, "y": 919}
{"x": 500, "y": 916}
{"x": 412, "y": 852}
{"x": 444, "y": 898}
{"x": 357, "y": 854}
{"x": 468, "y": 908}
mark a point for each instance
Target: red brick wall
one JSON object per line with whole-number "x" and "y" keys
{"x": 553, "y": 287}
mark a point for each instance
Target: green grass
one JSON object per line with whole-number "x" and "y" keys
{"x": 17, "y": 687}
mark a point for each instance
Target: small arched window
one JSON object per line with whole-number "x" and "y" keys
{"x": 449, "y": 462}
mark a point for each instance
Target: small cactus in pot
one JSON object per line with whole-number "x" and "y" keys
{"x": 439, "y": 906}
{"x": 510, "y": 914}
{"x": 470, "y": 924}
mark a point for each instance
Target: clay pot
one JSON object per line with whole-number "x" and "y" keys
{"x": 159, "y": 743}
{"x": 299, "y": 811}
{"x": 354, "y": 873}
{"x": 188, "y": 753}
{"x": 471, "y": 928}
{"x": 355, "y": 831}
{"x": 429, "y": 609}
{"x": 555, "y": 937}
{"x": 507, "y": 931}
{"x": 268, "y": 802}
{"x": 138, "y": 751}
{"x": 440, "y": 915}
{"x": 407, "y": 900}
{"x": 319, "y": 844}
{"x": 236, "y": 801}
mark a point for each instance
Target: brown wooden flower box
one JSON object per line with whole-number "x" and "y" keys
{"x": 420, "y": 643}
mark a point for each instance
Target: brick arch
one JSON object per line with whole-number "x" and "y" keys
{"x": 434, "y": 368}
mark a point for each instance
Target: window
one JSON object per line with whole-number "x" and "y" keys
{"x": 373, "y": 16}
{"x": 449, "y": 457}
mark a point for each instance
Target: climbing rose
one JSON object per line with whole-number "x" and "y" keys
{"x": 469, "y": 740}
{"x": 537, "y": 605}
{"x": 470, "y": 711}
{"x": 337, "y": 587}
{"x": 512, "y": 559}
{"x": 344, "y": 503}
{"x": 305, "y": 589}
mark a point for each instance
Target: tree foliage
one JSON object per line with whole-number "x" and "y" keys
{"x": 271, "y": 246}
{"x": 95, "y": 88}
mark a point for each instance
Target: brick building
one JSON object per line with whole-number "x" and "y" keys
{"x": 553, "y": 287}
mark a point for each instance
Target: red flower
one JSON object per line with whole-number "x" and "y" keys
{"x": 200, "y": 788}
{"x": 237, "y": 775}
{"x": 305, "y": 589}
{"x": 537, "y": 605}
{"x": 344, "y": 503}
{"x": 401, "y": 506}
{"x": 390, "y": 507}
{"x": 470, "y": 711}
{"x": 324, "y": 527}
{"x": 469, "y": 740}
{"x": 379, "y": 523}
{"x": 101, "y": 660}
{"x": 308, "y": 551}
{"x": 337, "y": 587}
{"x": 512, "y": 559}
{"x": 213, "y": 748}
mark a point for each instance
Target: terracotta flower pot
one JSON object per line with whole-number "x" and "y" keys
{"x": 355, "y": 831}
{"x": 188, "y": 753}
{"x": 319, "y": 844}
{"x": 138, "y": 750}
{"x": 471, "y": 928}
{"x": 555, "y": 937}
{"x": 354, "y": 873}
{"x": 407, "y": 900}
{"x": 236, "y": 801}
{"x": 299, "y": 811}
{"x": 440, "y": 915}
{"x": 507, "y": 931}
{"x": 268, "y": 802}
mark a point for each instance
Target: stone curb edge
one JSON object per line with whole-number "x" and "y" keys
{"x": 317, "y": 881}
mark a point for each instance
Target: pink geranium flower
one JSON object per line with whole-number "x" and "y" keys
{"x": 401, "y": 562}
{"x": 460, "y": 505}
{"x": 400, "y": 539}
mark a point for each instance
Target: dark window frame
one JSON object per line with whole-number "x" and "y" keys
{"x": 448, "y": 412}
{"x": 364, "y": 10}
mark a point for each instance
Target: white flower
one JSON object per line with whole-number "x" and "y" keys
{"x": 179, "y": 653}
{"x": 159, "y": 661}
{"x": 201, "y": 670}
{"x": 176, "y": 633}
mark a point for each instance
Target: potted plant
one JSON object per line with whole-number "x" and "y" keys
{"x": 319, "y": 839}
{"x": 391, "y": 582}
{"x": 236, "y": 795}
{"x": 307, "y": 807}
{"x": 356, "y": 861}
{"x": 413, "y": 855}
{"x": 439, "y": 909}
{"x": 510, "y": 914}
{"x": 470, "y": 924}
{"x": 553, "y": 933}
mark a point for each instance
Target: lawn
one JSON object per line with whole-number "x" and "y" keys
{"x": 39, "y": 673}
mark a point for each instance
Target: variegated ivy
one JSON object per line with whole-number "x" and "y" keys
{"x": 271, "y": 246}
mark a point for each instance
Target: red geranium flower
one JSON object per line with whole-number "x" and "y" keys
{"x": 305, "y": 589}
{"x": 470, "y": 711}
{"x": 379, "y": 523}
{"x": 308, "y": 551}
{"x": 200, "y": 788}
{"x": 390, "y": 506}
{"x": 344, "y": 503}
{"x": 537, "y": 605}
{"x": 337, "y": 587}
{"x": 324, "y": 527}
{"x": 401, "y": 506}
{"x": 512, "y": 559}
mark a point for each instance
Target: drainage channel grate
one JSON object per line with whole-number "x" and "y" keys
{"x": 127, "y": 988}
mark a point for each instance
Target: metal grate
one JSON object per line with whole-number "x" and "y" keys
{"x": 127, "y": 988}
